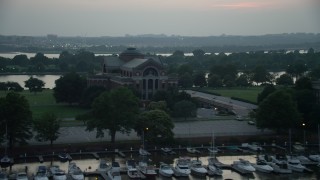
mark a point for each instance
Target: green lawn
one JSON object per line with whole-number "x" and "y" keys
{"x": 249, "y": 93}
{"x": 44, "y": 102}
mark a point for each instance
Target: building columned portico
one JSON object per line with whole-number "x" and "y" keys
{"x": 145, "y": 74}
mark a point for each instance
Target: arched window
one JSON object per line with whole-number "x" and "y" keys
{"x": 150, "y": 72}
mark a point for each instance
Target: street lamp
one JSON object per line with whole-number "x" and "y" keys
{"x": 304, "y": 133}
{"x": 143, "y": 140}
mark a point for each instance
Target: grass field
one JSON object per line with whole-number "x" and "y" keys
{"x": 44, "y": 102}
{"x": 249, "y": 93}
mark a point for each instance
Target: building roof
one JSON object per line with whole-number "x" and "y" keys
{"x": 134, "y": 63}
{"x": 113, "y": 61}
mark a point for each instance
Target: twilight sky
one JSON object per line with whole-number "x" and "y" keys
{"x": 171, "y": 17}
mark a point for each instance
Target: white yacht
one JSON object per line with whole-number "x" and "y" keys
{"x": 132, "y": 170}
{"x": 143, "y": 152}
{"x": 103, "y": 166}
{"x": 294, "y": 164}
{"x": 262, "y": 166}
{"x": 75, "y": 172}
{"x": 213, "y": 169}
{"x": 192, "y": 150}
{"x": 314, "y": 157}
{"x": 279, "y": 159}
{"x": 165, "y": 170}
{"x": 21, "y": 176}
{"x": 197, "y": 168}
{"x": 182, "y": 167}
{"x": 42, "y": 173}
{"x": 57, "y": 173}
{"x": 147, "y": 170}
{"x": 244, "y": 165}
{"x": 114, "y": 175}
{"x": 3, "y": 176}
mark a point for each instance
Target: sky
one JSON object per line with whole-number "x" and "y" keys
{"x": 92, "y": 18}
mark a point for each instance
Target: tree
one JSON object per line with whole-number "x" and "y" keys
{"x": 160, "y": 105}
{"x": 260, "y": 75}
{"x": 303, "y": 83}
{"x": 158, "y": 124}
{"x": 199, "y": 79}
{"x": 47, "y": 128}
{"x": 34, "y": 84}
{"x": 20, "y": 60}
{"x": 16, "y": 114}
{"x": 268, "y": 89}
{"x": 199, "y": 53}
{"x": 185, "y": 80}
{"x": 284, "y": 79}
{"x": 69, "y": 88}
{"x": 114, "y": 111}
{"x": 89, "y": 94}
{"x": 214, "y": 81}
{"x": 278, "y": 111}
{"x": 242, "y": 80}
{"x": 185, "y": 68}
{"x": 184, "y": 109}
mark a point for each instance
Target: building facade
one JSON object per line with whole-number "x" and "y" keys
{"x": 132, "y": 69}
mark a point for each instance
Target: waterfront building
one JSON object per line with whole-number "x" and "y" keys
{"x": 145, "y": 74}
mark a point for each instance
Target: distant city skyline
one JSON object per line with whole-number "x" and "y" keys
{"x": 94, "y": 18}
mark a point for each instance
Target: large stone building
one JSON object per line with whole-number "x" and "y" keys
{"x": 145, "y": 74}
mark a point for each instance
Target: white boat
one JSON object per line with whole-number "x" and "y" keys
{"x": 167, "y": 150}
{"x": 192, "y": 150}
{"x": 213, "y": 169}
{"x": 279, "y": 159}
{"x": 197, "y": 168}
{"x": 75, "y": 172}
{"x": 132, "y": 170}
{"x": 253, "y": 146}
{"x": 21, "y": 176}
{"x": 314, "y": 157}
{"x": 213, "y": 149}
{"x": 103, "y": 166}
{"x": 244, "y": 165}
{"x": 280, "y": 168}
{"x": 305, "y": 161}
{"x": 57, "y": 173}
{"x": 294, "y": 164}
{"x": 42, "y": 173}
{"x": 5, "y": 161}
{"x": 298, "y": 147}
{"x": 147, "y": 170}
{"x": 181, "y": 167}
{"x": 165, "y": 170}
{"x": 143, "y": 152}
{"x": 64, "y": 157}
{"x": 115, "y": 166}
{"x": 114, "y": 175}
{"x": 262, "y": 166}
{"x": 3, "y": 176}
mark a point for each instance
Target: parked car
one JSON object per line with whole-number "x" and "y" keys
{"x": 239, "y": 118}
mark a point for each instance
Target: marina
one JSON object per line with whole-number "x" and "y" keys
{"x": 88, "y": 163}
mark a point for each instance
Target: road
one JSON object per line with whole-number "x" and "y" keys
{"x": 239, "y": 107}
{"x": 78, "y": 134}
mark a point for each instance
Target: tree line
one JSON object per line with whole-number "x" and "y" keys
{"x": 109, "y": 111}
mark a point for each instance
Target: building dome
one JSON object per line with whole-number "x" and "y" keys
{"x": 130, "y": 53}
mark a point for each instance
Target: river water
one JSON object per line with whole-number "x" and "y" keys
{"x": 48, "y": 79}
{"x": 91, "y": 164}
